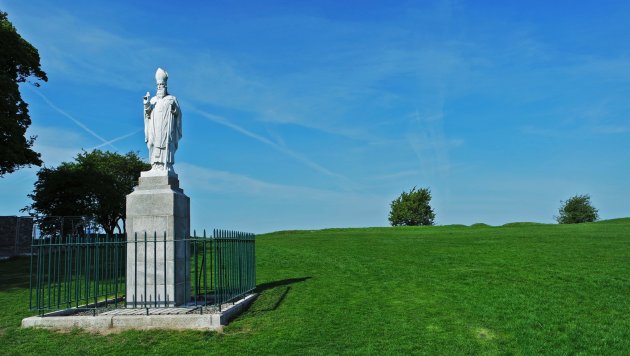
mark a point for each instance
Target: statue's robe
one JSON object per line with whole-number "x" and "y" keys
{"x": 163, "y": 130}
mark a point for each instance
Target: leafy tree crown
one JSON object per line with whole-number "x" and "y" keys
{"x": 94, "y": 185}
{"x": 19, "y": 61}
{"x": 412, "y": 208}
{"x": 577, "y": 209}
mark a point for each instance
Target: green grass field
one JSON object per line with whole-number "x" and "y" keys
{"x": 522, "y": 289}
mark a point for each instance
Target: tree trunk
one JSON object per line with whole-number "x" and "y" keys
{"x": 109, "y": 228}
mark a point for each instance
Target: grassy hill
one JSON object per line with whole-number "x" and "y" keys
{"x": 520, "y": 288}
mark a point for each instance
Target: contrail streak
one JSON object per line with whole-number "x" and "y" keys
{"x": 116, "y": 139}
{"x": 223, "y": 121}
{"x": 79, "y": 123}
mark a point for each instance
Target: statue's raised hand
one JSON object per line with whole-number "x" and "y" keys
{"x": 146, "y": 98}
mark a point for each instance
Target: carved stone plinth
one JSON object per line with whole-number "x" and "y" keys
{"x": 158, "y": 219}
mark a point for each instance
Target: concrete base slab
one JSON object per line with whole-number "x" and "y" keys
{"x": 125, "y": 319}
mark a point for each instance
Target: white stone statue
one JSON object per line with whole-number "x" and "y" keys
{"x": 162, "y": 127}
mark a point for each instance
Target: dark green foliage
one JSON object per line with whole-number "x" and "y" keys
{"x": 412, "y": 208}
{"x": 95, "y": 185}
{"x": 19, "y": 60}
{"x": 477, "y": 225}
{"x": 577, "y": 209}
{"x": 522, "y": 224}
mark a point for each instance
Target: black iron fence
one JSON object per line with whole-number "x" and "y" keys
{"x": 94, "y": 272}
{"x": 76, "y": 271}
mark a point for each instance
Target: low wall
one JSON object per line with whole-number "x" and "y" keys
{"x": 15, "y": 235}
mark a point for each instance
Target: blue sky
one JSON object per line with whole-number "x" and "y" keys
{"x": 303, "y": 115}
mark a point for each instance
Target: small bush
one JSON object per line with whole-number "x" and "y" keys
{"x": 412, "y": 208}
{"x": 577, "y": 209}
{"x": 480, "y": 225}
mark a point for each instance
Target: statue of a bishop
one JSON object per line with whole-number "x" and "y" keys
{"x": 162, "y": 126}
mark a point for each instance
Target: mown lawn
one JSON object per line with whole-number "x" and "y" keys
{"x": 521, "y": 288}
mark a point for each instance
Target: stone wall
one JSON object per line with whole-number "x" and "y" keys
{"x": 15, "y": 235}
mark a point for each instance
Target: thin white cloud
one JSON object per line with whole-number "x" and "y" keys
{"x": 218, "y": 181}
{"x": 612, "y": 69}
{"x": 564, "y": 132}
{"x": 610, "y": 129}
{"x": 56, "y": 145}
{"x": 426, "y": 137}
{"x": 397, "y": 175}
{"x": 322, "y": 95}
{"x": 308, "y": 207}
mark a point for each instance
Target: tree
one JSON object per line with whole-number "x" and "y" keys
{"x": 95, "y": 185}
{"x": 19, "y": 61}
{"x": 577, "y": 209}
{"x": 412, "y": 208}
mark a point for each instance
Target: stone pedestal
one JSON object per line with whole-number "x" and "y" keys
{"x": 158, "y": 221}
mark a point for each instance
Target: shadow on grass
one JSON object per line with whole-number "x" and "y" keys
{"x": 285, "y": 282}
{"x": 271, "y": 296}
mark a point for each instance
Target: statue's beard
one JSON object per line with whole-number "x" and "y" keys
{"x": 161, "y": 93}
